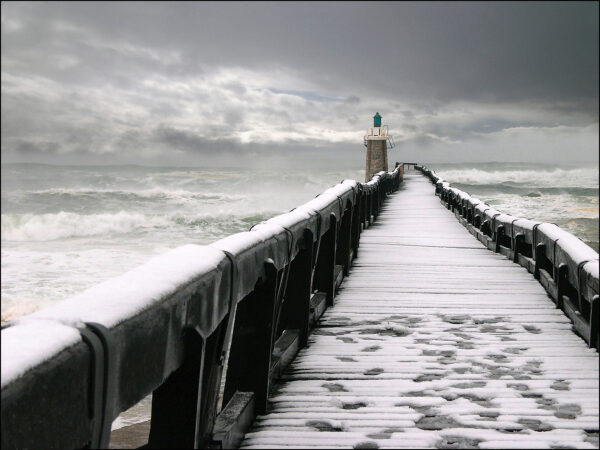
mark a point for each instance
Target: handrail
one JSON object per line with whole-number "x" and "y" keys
{"x": 165, "y": 328}
{"x": 563, "y": 264}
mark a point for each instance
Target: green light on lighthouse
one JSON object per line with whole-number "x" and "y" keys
{"x": 377, "y": 120}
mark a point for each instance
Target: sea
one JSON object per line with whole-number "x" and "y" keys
{"x": 67, "y": 228}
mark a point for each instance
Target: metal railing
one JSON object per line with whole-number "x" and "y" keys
{"x": 563, "y": 264}
{"x": 167, "y": 327}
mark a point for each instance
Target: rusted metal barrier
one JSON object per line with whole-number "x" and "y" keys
{"x": 563, "y": 264}
{"x": 167, "y": 328}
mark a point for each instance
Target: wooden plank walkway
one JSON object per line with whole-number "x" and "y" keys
{"x": 434, "y": 341}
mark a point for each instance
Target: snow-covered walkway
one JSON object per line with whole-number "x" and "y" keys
{"x": 434, "y": 341}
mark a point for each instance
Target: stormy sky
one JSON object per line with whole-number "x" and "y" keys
{"x": 230, "y": 82}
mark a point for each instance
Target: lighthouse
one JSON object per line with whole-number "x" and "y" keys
{"x": 376, "y": 141}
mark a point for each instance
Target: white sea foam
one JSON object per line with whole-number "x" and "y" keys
{"x": 555, "y": 177}
{"x": 156, "y": 193}
{"x": 34, "y": 279}
{"x": 565, "y": 196}
{"x": 547, "y": 208}
{"x": 45, "y": 227}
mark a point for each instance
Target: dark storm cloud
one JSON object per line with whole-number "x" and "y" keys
{"x": 190, "y": 142}
{"x": 35, "y": 148}
{"x": 102, "y": 78}
{"x": 507, "y": 50}
{"x": 476, "y": 127}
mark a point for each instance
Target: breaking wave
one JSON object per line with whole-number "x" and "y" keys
{"x": 48, "y": 227}
{"x": 155, "y": 194}
{"x": 526, "y": 190}
{"x": 540, "y": 178}
{"x": 565, "y": 196}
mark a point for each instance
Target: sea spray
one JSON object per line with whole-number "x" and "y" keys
{"x": 567, "y": 196}
{"x": 64, "y": 229}
{"x": 47, "y": 227}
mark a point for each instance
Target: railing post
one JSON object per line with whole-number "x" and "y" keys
{"x": 374, "y": 196}
{"x": 594, "y": 325}
{"x": 561, "y": 279}
{"x": 366, "y": 209}
{"x": 252, "y": 342}
{"x": 344, "y": 241}
{"x": 356, "y": 224}
{"x": 367, "y": 205}
{"x": 540, "y": 249}
{"x": 498, "y": 236}
{"x": 174, "y": 403}
{"x": 184, "y": 406}
{"x": 371, "y": 209}
{"x": 374, "y": 203}
{"x": 325, "y": 271}
{"x": 485, "y": 226}
{"x": 362, "y": 204}
{"x": 296, "y": 312}
{"x": 519, "y": 239}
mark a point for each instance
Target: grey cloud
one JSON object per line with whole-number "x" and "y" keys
{"x": 235, "y": 87}
{"x": 184, "y": 140}
{"x": 32, "y": 147}
{"x": 477, "y": 127}
{"x": 422, "y": 140}
{"x": 499, "y": 51}
{"x": 412, "y": 61}
{"x": 130, "y": 139}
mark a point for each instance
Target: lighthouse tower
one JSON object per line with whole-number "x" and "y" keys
{"x": 376, "y": 141}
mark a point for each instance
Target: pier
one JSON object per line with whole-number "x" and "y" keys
{"x": 399, "y": 312}
{"x": 435, "y": 342}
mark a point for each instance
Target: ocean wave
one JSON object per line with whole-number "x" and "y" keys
{"x": 585, "y": 228}
{"x": 556, "y": 177}
{"x": 544, "y": 208}
{"x": 131, "y": 195}
{"x": 63, "y": 225}
{"x": 509, "y": 188}
{"x": 193, "y": 174}
{"x": 48, "y": 227}
{"x": 97, "y": 201}
{"x": 19, "y": 307}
